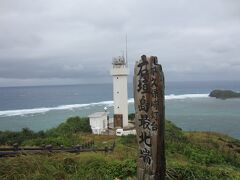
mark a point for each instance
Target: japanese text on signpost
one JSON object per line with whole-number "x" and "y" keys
{"x": 150, "y": 117}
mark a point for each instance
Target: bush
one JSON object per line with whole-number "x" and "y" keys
{"x": 74, "y": 125}
{"x": 9, "y": 138}
{"x": 62, "y": 135}
{"x": 128, "y": 140}
{"x": 131, "y": 116}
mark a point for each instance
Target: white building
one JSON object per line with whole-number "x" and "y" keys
{"x": 120, "y": 93}
{"x": 98, "y": 122}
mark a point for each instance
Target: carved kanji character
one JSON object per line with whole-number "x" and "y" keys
{"x": 143, "y": 85}
{"x": 155, "y": 103}
{"x": 153, "y": 82}
{"x": 143, "y": 68}
{"x": 154, "y": 93}
{"x": 144, "y": 105}
{"x": 145, "y": 138}
{"x": 146, "y": 155}
{"x": 154, "y": 126}
{"x": 145, "y": 121}
{"x": 154, "y": 70}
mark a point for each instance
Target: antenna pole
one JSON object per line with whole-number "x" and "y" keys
{"x": 126, "y": 51}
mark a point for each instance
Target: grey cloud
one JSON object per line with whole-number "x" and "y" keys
{"x": 72, "y": 41}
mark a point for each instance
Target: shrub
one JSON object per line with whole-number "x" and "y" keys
{"x": 62, "y": 135}
{"x": 131, "y": 116}
{"x": 74, "y": 125}
{"x": 128, "y": 140}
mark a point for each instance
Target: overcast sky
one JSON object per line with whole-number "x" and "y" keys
{"x": 73, "y": 41}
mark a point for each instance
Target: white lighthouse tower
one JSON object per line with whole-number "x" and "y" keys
{"x": 120, "y": 91}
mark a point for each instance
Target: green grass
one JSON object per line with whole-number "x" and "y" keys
{"x": 189, "y": 155}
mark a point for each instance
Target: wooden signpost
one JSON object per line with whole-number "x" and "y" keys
{"x": 149, "y": 118}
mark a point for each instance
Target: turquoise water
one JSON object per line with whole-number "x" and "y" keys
{"x": 206, "y": 114}
{"x": 41, "y": 108}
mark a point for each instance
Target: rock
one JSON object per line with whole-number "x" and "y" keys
{"x": 224, "y": 94}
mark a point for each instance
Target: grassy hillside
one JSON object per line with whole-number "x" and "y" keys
{"x": 190, "y": 155}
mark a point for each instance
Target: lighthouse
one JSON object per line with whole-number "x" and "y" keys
{"x": 120, "y": 91}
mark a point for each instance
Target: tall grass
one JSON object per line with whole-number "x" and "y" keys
{"x": 190, "y": 155}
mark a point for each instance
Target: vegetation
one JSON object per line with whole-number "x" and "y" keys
{"x": 190, "y": 155}
{"x": 66, "y": 134}
{"x": 224, "y": 94}
{"x": 131, "y": 116}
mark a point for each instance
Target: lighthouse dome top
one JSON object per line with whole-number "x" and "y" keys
{"x": 119, "y": 61}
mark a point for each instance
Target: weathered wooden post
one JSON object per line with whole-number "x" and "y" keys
{"x": 150, "y": 118}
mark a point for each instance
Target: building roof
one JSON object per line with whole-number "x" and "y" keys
{"x": 97, "y": 114}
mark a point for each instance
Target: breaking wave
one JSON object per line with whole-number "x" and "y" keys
{"x": 181, "y": 96}
{"x": 22, "y": 112}
{"x": 185, "y": 96}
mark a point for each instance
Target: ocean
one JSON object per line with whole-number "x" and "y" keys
{"x": 187, "y": 105}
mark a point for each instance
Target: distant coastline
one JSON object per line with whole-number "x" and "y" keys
{"x": 224, "y": 94}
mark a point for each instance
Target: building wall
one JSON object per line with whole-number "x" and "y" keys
{"x": 120, "y": 94}
{"x": 99, "y": 122}
{"x": 96, "y": 122}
